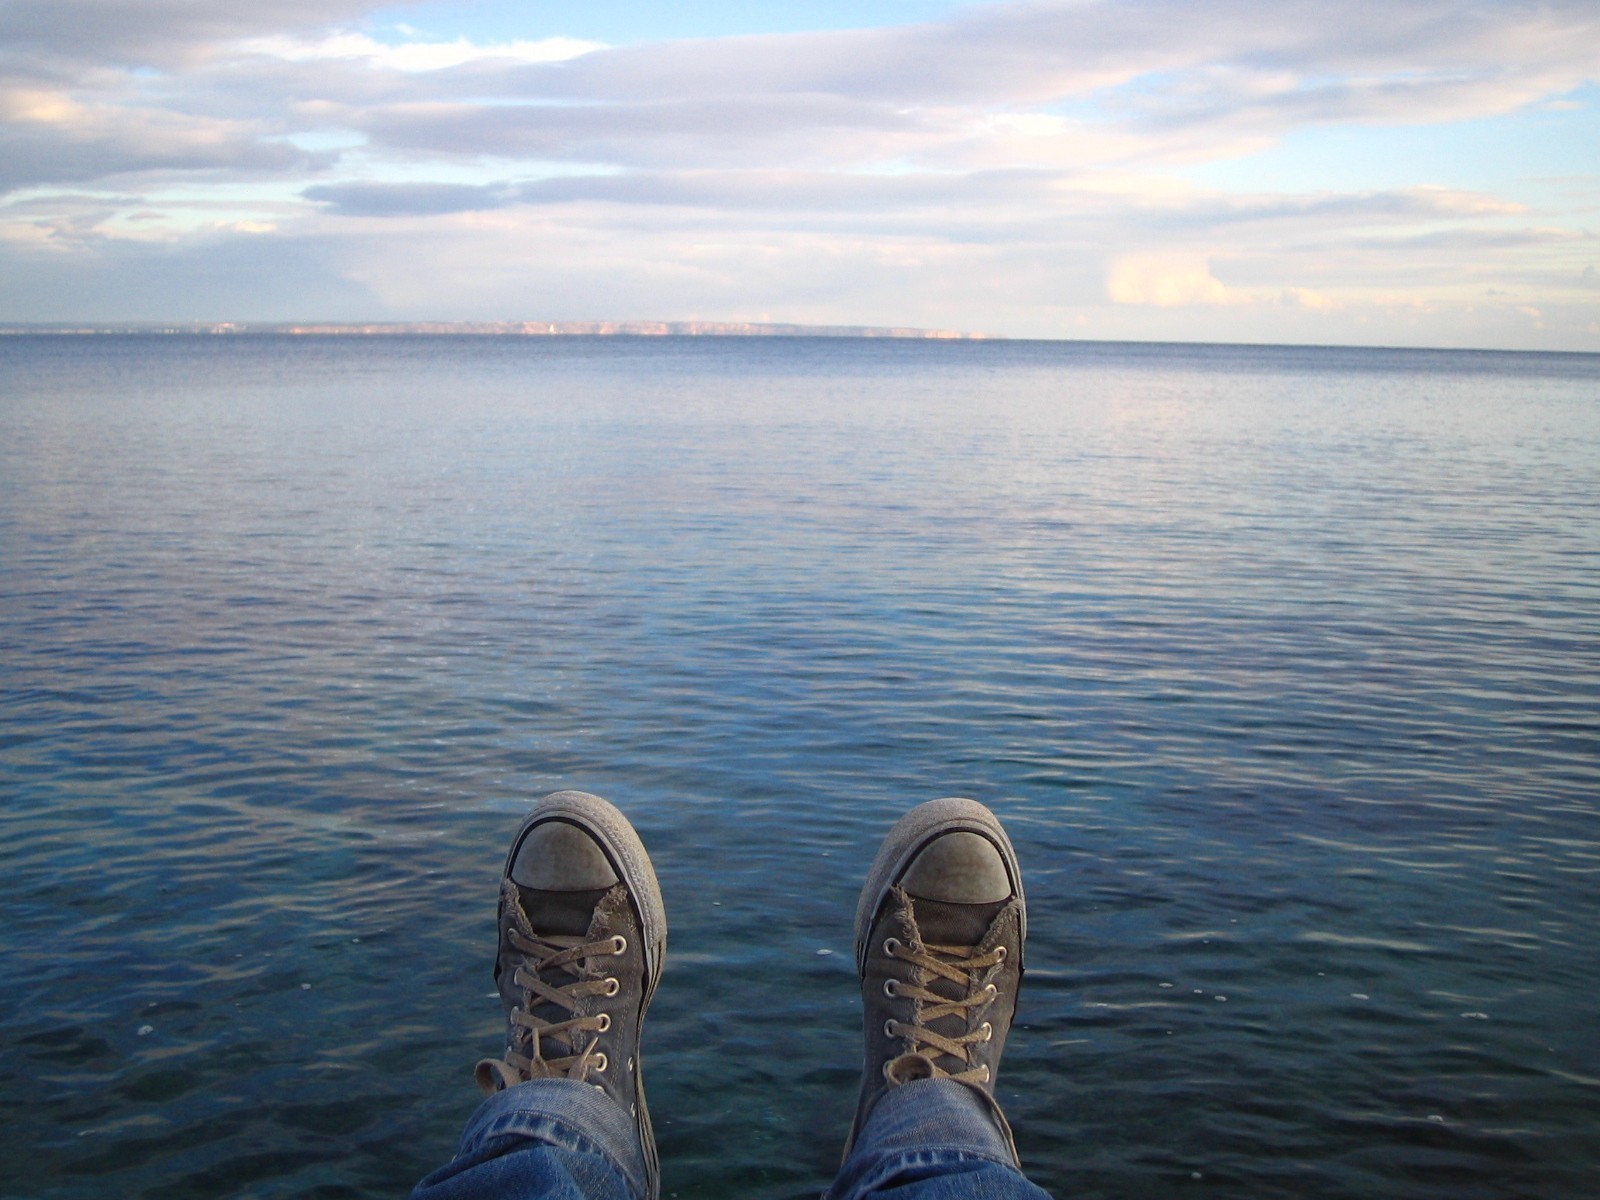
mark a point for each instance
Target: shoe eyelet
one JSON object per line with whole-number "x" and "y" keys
{"x": 601, "y": 1062}
{"x": 890, "y": 945}
{"x": 992, "y": 991}
{"x": 889, "y": 988}
{"x": 988, "y": 1031}
{"x": 999, "y": 954}
{"x": 599, "y": 1088}
{"x": 612, "y": 987}
{"x": 889, "y": 1028}
{"x": 619, "y": 944}
{"x": 605, "y": 1026}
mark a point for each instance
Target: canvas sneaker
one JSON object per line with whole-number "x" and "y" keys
{"x": 583, "y": 937}
{"x": 939, "y": 934}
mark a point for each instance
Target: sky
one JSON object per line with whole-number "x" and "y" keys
{"x": 1368, "y": 172}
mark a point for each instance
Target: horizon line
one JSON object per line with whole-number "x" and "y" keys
{"x": 663, "y": 329}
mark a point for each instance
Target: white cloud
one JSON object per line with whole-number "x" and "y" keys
{"x": 1166, "y": 281}
{"x": 1090, "y": 84}
{"x": 417, "y": 55}
{"x": 1016, "y": 159}
{"x": 1142, "y": 81}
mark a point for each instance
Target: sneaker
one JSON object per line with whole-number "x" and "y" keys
{"x": 583, "y": 936}
{"x": 939, "y": 934}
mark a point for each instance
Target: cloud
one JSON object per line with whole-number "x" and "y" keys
{"x": 54, "y": 139}
{"x": 1044, "y": 84}
{"x": 1133, "y": 82}
{"x": 418, "y": 56}
{"x": 1166, "y": 281}
{"x": 528, "y": 262}
{"x": 154, "y": 33}
{"x": 1472, "y": 241}
{"x": 1309, "y": 60}
{"x": 1022, "y": 159}
{"x": 409, "y": 199}
{"x": 1186, "y": 281}
{"x": 1021, "y": 202}
{"x": 257, "y": 276}
{"x": 760, "y": 193}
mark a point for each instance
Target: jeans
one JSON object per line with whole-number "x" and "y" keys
{"x": 930, "y": 1139}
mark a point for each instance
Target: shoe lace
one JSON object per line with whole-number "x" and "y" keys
{"x": 554, "y": 972}
{"x": 971, "y": 969}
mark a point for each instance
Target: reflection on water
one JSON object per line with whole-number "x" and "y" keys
{"x": 1281, "y": 665}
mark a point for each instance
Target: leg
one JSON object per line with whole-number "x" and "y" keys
{"x": 939, "y": 937}
{"x": 550, "y": 1139}
{"x": 582, "y": 942}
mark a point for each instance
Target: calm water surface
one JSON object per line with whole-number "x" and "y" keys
{"x": 1282, "y": 666}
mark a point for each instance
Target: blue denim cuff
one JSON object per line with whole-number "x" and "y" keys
{"x": 928, "y": 1128}
{"x": 561, "y": 1113}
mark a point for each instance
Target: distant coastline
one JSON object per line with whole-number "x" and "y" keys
{"x": 504, "y": 329}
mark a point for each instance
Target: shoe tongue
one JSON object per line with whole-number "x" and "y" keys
{"x": 910, "y": 1066}
{"x": 561, "y": 914}
{"x": 943, "y": 924}
{"x": 960, "y": 925}
{"x": 558, "y": 914}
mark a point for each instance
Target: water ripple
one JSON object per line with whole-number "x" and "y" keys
{"x": 1281, "y": 666}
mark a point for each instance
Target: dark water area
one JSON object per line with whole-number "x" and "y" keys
{"x": 1281, "y": 665}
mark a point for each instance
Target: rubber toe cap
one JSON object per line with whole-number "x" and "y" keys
{"x": 559, "y": 857}
{"x": 958, "y": 868}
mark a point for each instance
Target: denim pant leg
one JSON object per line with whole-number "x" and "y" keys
{"x": 932, "y": 1139}
{"x": 554, "y": 1139}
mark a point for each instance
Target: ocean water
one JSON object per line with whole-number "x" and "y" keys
{"x": 1281, "y": 665}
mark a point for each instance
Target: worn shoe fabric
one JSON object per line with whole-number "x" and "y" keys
{"x": 582, "y": 944}
{"x": 940, "y": 929}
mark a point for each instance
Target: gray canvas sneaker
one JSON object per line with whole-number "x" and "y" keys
{"x": 939, "y": 934}
{"x": 583, "y": 937}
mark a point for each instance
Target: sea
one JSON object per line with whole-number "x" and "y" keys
{"x": 1281, "y": 666}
